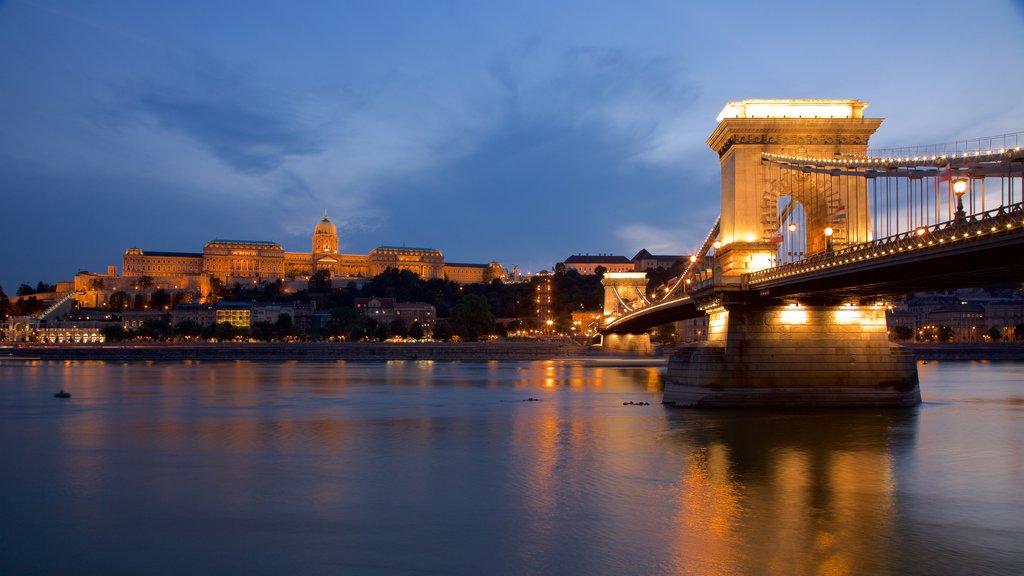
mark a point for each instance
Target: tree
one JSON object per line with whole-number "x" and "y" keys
{"x": 901, "y": 333}
{"x": 143, "y": 282}
{"x": 223, "y": 332}
{"x": 945, "y": 333}
{"x": 380, "y": 332}
{"x": 416, "y": 331}
{"x": 114, "y": 333}
{"x": 154, "y": 330}
{"x": 217, "y": 289}
{"x": 28, "y": 306}
{"x": 186, "y": 297}
{"x": 666, "y": 334}
{"x": 995, "y": 333}
{"x": 96, "y": 284}
{"x": 443, "y": 331}
{"x": 43, "y": 287}
{"x": 320, "y": 281}
{"x": 1018, "y": 332}
{"x": 599, "y": 271}
{"x": 188, "y": 329}
{"x": 263, "y": 330}
{"x": 139, "y": 302}
{"x": 5, "y": 304}
{"x": 119, "y": 300}
{"x": 160, "y": 300}
{"x": 472, "y": 317}
{"x": 397, "y": 328}
{"x": 25, "y": 290}
{"x": 283, "y": 324}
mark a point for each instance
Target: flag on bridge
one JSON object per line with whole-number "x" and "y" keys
{"x": 944, "y": 173}
{"x": 777, "y": 239}
{"x": 839, "y": 212}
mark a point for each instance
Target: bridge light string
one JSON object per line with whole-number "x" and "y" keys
{"x": 980, "y": 155}
{"x": 910, "y": 241}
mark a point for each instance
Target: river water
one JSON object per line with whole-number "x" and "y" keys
{"x": 405, "y": 468}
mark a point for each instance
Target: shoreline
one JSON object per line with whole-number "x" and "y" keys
{"x": 456, "y": 351}
{"x": 299, "y": 351}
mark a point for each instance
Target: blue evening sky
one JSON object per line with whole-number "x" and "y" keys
{"x": 521, "y": 132}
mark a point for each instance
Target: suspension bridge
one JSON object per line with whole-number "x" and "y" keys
{"x": 817, "y": 235}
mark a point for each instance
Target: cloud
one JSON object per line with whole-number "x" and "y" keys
{"x": 250, "y": 134}
{"x": 634, "y": 98}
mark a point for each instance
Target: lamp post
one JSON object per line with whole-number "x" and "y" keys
{"x": 828, "y": 239}
{"x": 959, "y": 188}
{"x": 791, "y": 228}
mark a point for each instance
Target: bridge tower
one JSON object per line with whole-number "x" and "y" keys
{"x": 623, "y": 293}
{"x": 750, "y": 194}
{"x": 761, "y": 351}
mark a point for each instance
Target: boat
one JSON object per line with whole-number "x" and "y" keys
{"x": 62, "y": 394}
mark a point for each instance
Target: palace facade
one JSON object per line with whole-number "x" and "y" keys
{"x": 256, "y": 261}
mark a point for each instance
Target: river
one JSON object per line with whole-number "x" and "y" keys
{"x": 420, "y": 467}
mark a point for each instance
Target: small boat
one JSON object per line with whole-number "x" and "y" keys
{"x": 62, "y": 394}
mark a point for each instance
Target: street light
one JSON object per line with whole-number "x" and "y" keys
{"x": 959, "y": 188}
{"x": 792, "y": 228}
{"x": 828, "y": 239}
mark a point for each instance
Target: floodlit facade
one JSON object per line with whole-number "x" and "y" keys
{"x": 255, "y": 261}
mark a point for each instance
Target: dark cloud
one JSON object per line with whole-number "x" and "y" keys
{"x": 250, "y": 139}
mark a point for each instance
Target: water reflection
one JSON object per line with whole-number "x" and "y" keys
{"x": 787, "y": 492}
{"x": 448, "y": 468}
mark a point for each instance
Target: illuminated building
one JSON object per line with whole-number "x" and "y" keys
{"x": 256, "y": 261}
{"x": 545, "y": 316}
{"x": 587, "y": 264}
{"x": 386, "y": 310}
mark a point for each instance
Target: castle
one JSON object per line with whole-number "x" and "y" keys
{"x": 257, "y": 261}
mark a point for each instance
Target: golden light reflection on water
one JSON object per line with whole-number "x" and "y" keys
{"x": 576, "y": 479}
{"x": 798, "y": 494}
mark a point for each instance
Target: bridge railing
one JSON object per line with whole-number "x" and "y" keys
{"x": 983, "y": 224}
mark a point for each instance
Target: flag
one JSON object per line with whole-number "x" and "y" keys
{"x": 944, "y": 173}
{"x": 777, "y": 239}
{"x": 839, "y": 212}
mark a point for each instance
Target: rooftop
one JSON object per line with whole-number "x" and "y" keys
{"x": 464, "y": 265}
{"x": 226, "y": 241}
{"x": 597, "y": 259}
{"x": 173, "y": 254}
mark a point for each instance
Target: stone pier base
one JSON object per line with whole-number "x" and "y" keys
{"x": 628, "y": 343}
{"x": 783, "y": 356}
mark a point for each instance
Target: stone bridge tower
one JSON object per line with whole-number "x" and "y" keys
{"x": 816, "y": 128}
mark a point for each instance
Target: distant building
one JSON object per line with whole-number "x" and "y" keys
{"x": 201, "y": 314}
{"x": 474, "y": 273}
{"x": 586, "y": 321}
{"x": 386, "y": 310}
{"x": 238, "y": 314}
{"x": 254, "y": 261}
{"x": 970, "y": 313}
{"x": 587, "y": 264}
{"x": 644, "y": 260}
{"x": 966, "y": 320}
{"x": 543, "y": 293}
{"x": 134, "y": 319}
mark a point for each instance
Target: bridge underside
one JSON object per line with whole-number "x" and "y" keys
{"x": 980, "y": 262}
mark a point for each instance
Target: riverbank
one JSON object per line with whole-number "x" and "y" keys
{"x": 316, "y": 351}
{"x": 967, "y": 350}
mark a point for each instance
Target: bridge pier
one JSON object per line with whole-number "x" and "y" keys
{"x": 788, "y": 355}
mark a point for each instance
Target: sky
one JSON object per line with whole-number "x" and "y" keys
{"x": 519, "y": 132}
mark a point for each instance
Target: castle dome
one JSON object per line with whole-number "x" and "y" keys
{"x": 325, "y": 226}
